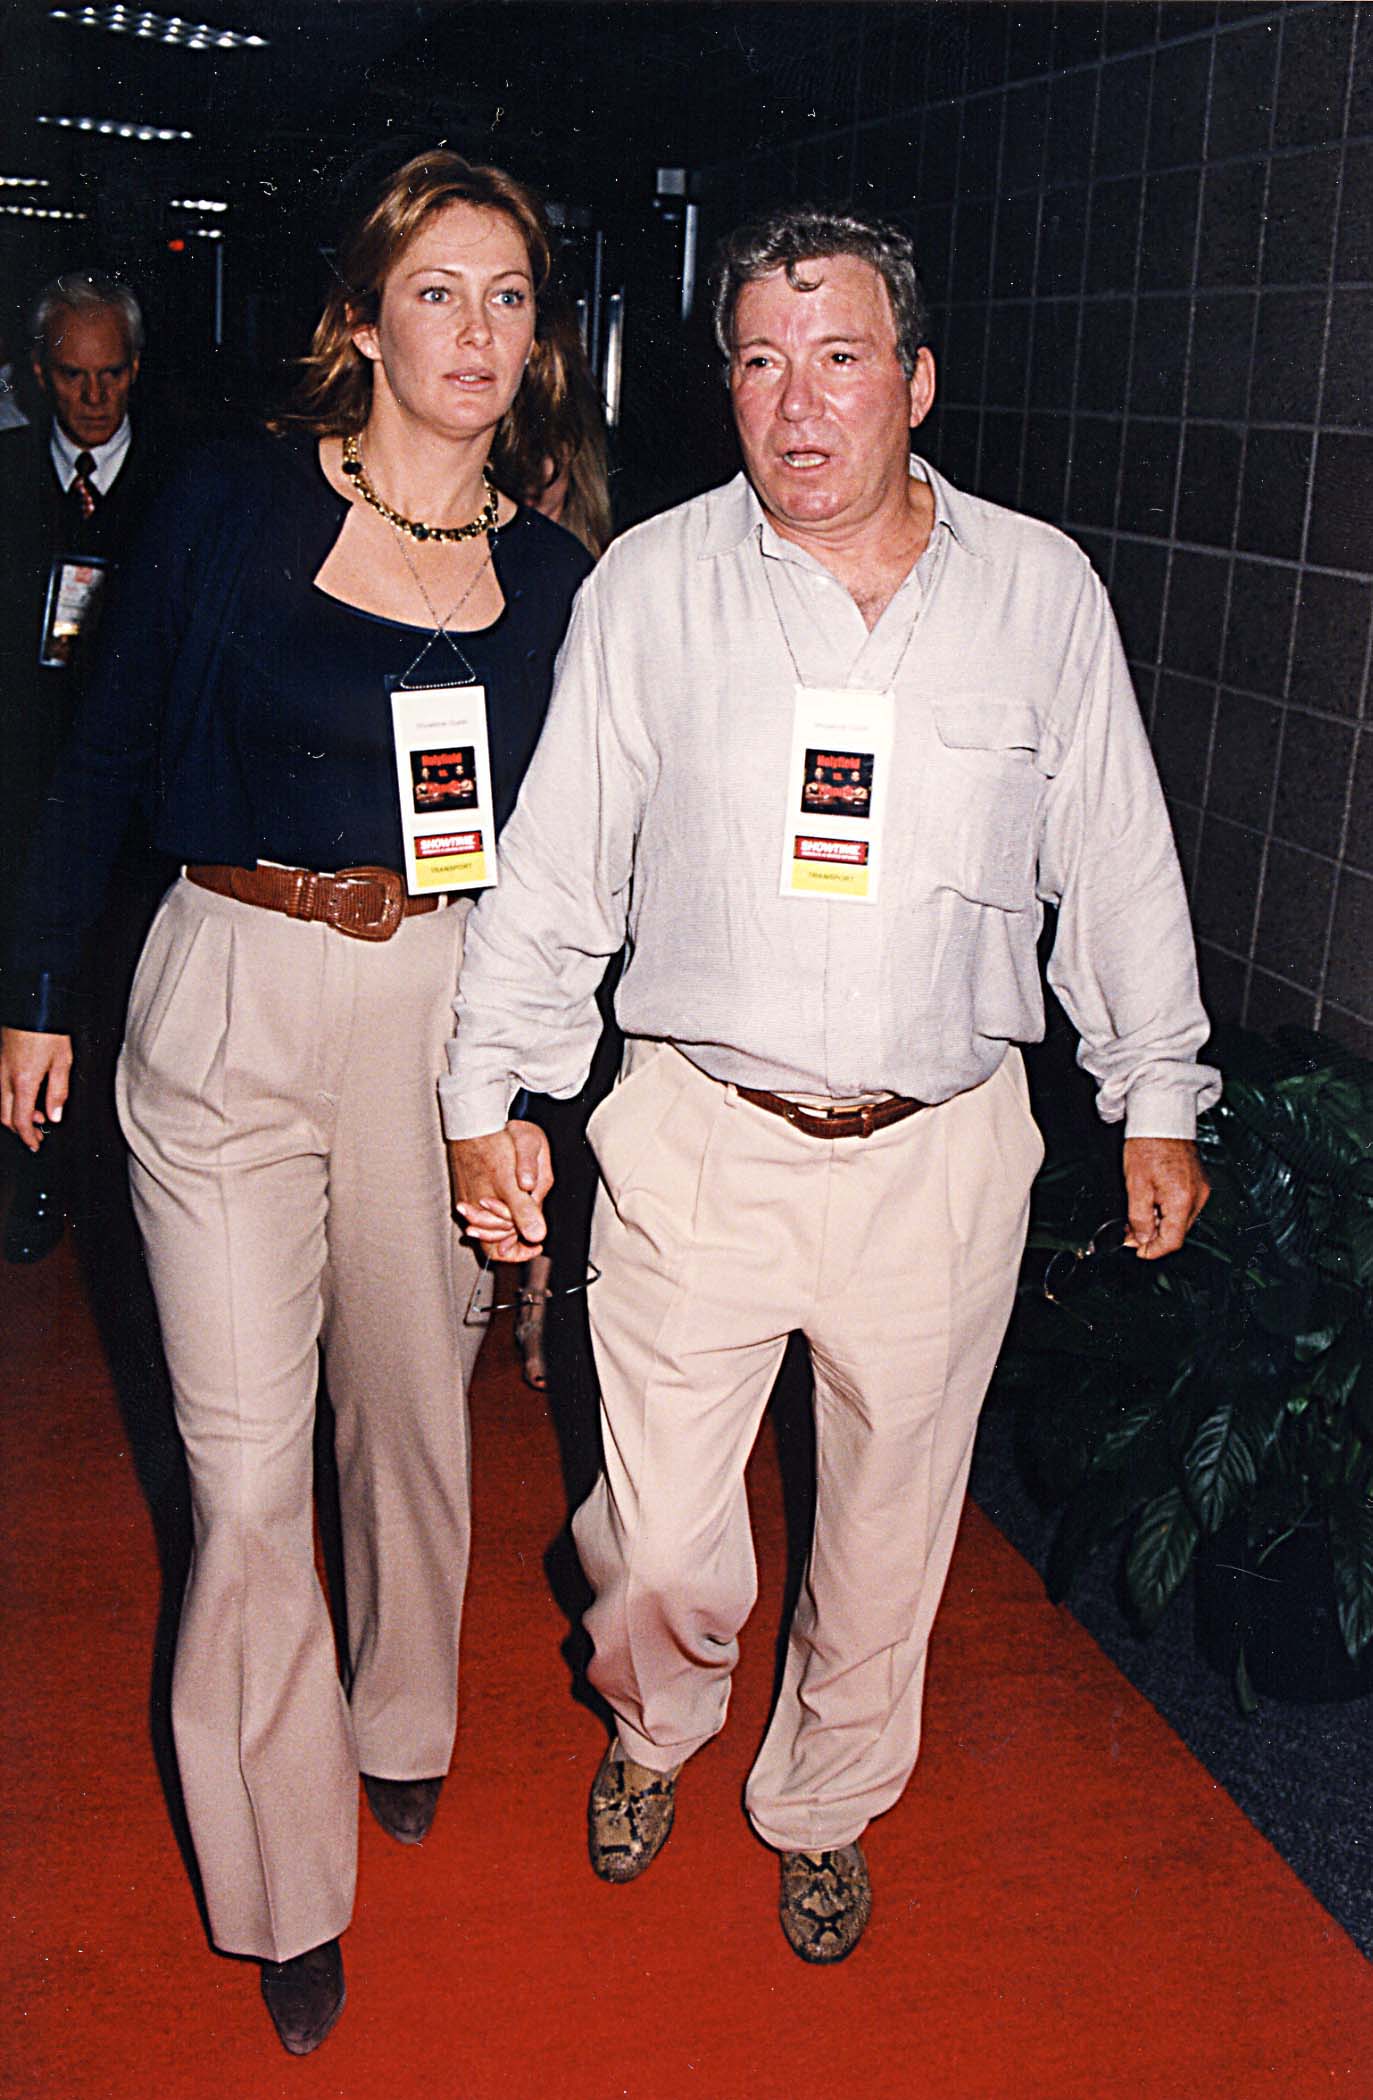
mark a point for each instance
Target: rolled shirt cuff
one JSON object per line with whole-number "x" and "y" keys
{"x": 1160, "y": 1112}
{"x": 470, "y": 1112}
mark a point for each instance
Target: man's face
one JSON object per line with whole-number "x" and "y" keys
{"x": 822, "y": 407}
{"x": 87, "y": 372}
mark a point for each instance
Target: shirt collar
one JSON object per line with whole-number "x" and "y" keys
{"x": 108, "y": 457}
{"x": 735, "y": 515}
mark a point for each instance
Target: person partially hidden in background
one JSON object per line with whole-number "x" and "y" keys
{"x": 822, "y": 1121}
{"x": 555, "y": 454}
{"x": 76, "y": 490}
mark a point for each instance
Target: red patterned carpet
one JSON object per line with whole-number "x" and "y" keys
{"x": 1066, "y": 1906}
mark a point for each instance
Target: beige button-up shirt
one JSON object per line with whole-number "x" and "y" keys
{"x": 654, "y": 808}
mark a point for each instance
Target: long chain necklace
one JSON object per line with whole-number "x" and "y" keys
{"x": 786, "y": 638}
{"x": 415, "y": 527}
{"x": 442, "y": 626}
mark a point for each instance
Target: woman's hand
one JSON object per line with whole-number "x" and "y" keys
{"x": 499, "y": 1183}
{"x": 35, "y": 1075}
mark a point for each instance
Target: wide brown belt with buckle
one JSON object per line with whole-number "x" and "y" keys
{"x": 835, "y": 1122}
{"x": 366, "y": 903}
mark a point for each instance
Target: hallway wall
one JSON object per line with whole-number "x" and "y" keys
{"x": 1147, "y": 233}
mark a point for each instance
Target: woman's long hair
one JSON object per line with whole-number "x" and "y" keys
{"x": 560, "y": 429}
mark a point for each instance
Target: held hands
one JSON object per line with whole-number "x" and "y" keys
{"x": 499, "y": 1183}
{"x": 1165, "y": 1193}
{"x": 35, "y": 1074}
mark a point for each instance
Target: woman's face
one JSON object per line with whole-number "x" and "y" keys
{"x": 456, "y": 325}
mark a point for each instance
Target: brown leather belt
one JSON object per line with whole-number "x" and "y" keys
{"x": 366, "y": 903}
{"x": 836, "y": 1122}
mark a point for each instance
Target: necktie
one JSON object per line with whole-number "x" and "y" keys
{"x": 83, "y": 487}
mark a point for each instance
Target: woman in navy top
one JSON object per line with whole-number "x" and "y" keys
{"x": 287, "y": 1026}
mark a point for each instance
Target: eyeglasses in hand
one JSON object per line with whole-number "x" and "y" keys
{"x": 481, "y": 1306}
{"x": 1067, "y": 1268}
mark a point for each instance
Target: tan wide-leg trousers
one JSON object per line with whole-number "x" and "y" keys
{"x": 277, "y": 1089}
{"x": 719, "y": 1229}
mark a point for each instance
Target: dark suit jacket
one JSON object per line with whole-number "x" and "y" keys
{"x": 37, "y": 704}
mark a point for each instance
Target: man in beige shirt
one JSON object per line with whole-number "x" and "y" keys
{"x": 822, "y": 1122}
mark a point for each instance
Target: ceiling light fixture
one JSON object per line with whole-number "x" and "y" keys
{"x": 110, "y": 128}
{"x": 166, "y": 29}
{"x": 38, "y": 211}
{"x": 24, "y": 182}
{"x": 197, "y": 204}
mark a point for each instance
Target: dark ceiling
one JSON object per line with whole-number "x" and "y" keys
{"x": 586, "y": 99}
{"x": 581, "y": 98}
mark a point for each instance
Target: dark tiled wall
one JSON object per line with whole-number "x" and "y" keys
{"x": 1148, "y": 235}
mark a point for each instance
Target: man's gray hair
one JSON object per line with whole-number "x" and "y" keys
{"x": 81, "y": 292}
{"x": 785, "y": 240}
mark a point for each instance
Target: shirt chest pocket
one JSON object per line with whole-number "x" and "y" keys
{"x": 979, "y": 806}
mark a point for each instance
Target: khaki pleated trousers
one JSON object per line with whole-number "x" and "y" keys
{"x": 720, "y": 1229}
{"x": 277, "y": 1089}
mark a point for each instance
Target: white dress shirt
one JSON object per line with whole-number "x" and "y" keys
{"x": 655, "y": 805}
{"x": 109, "y": 457}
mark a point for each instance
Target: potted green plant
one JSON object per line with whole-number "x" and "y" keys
{"x": 1216, "y": 1408}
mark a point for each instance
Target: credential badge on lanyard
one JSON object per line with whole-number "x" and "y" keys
{"x": 837, "y": 777}
{"x": 443, "y": 776}
{"x": 75, "y": 582}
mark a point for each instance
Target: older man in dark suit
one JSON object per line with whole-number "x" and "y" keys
{"x": 74, "y": 494}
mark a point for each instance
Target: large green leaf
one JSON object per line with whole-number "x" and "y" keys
{"x": 1133, "y": 1429}
{"x": 1102, "y": 1504}
{"x": 1221, "y": 1463}
{"x": 1238, "y": 1375}
{"x": 1361, "y": 1397}
{"x": 1338, "y": 1371}
{"x": 1307, "y": 1348}
{"x": 1160, "y": 1553}
{"x": 1246, "y": 1698}
{"x": 1298, "y": 1146}
{"x": 1359, "y": 1235}
{"x": 1351, "y": 1550}
{"x": 1313, "y": 1121}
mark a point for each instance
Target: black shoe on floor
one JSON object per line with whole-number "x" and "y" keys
{"x": 405, "y": 1808}
{"x": 305, "y": 1996}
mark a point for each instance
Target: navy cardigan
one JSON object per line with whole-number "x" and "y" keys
{"x": 158, "y": 726}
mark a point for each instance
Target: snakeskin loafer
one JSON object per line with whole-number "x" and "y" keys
{"x": 826, "y": 1902}
{"x": 629, "y": 1816}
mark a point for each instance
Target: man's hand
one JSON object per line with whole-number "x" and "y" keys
{"x": 35, "y": 1074}
{"x": 1165, "y": 1193}
{"x": 499, "y": 1183}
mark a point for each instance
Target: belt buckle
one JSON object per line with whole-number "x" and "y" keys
{"x": 348, "y": 891}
